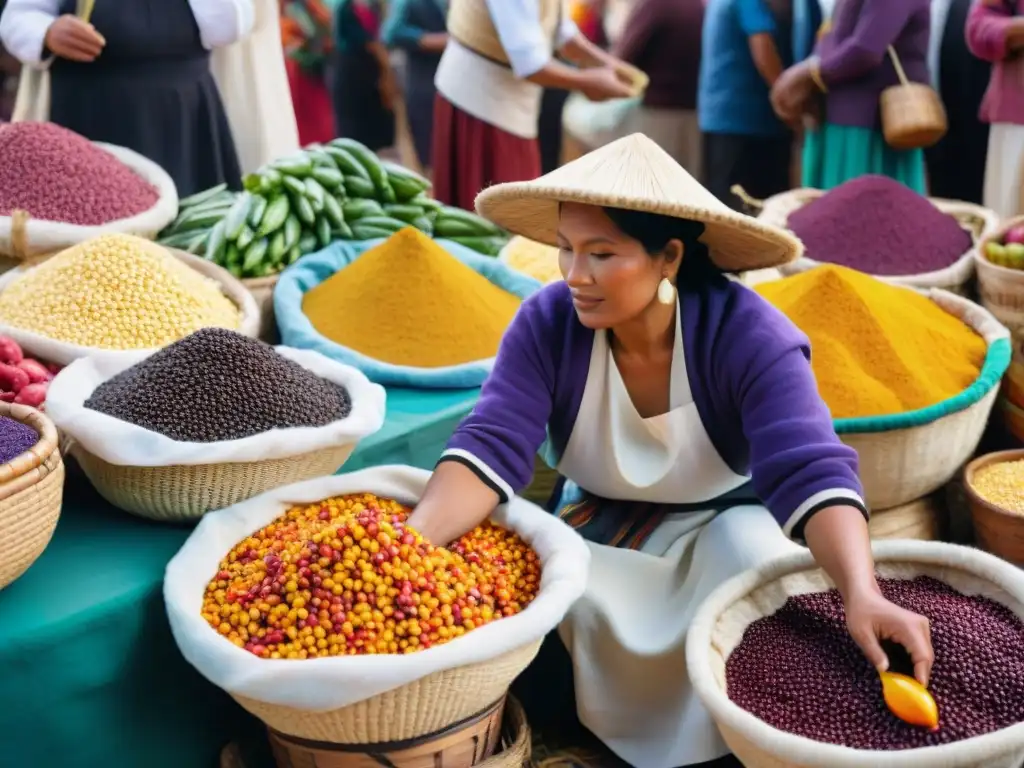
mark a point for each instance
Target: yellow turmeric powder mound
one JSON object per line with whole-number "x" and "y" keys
{"x": 409, "y": 302}
{"x": 877, "y": 349}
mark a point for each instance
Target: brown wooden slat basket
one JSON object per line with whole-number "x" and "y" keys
{"x": 262, "y": 290}
{"x": 31, "y": 493}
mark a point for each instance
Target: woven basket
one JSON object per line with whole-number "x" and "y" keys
{"x": 910, "y": 455}
{"x": 980, "y": 222}
{"x": 31, "y": 493}
{"x": 998, "y": 530}
{"x": 921, "y": 520}
{"x": 427, "y": 705}
{"x": 187, "y": 492}
{"x": 729, "y": 610}
{"x": 1001, "y": 289}
{"x": 262, "y": 290}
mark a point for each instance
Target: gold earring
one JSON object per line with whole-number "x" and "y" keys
{"x": 666, "y": 291}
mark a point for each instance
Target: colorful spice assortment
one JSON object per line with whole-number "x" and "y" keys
{"x": 537, "y": 260}
{"x": 1001, "y": 484}
{"x": 877, "y": 348}
{"x": 409, "y": 302}
{"x": 57, "y": 175}
{"x": 219, "y": 385}
{"x": 15, "y": 438}
{"x": 23, "y": 380}
{"x": 345, "y": 576}
{"x": 115, "y": 292}
{"x": 879, "y": 226}
{"x": 800, "y": 671}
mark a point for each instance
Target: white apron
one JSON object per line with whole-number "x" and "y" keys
{"x": 626, "y": 634}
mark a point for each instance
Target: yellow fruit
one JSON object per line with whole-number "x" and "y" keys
{"x": 909, "y": 700}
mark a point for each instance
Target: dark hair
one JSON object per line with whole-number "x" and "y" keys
{"x": 654, "y": 231}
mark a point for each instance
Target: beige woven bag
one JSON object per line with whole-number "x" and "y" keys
{"x": 913, "y": 116}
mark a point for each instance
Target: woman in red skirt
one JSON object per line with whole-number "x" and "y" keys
{"x": 306, "y": 32}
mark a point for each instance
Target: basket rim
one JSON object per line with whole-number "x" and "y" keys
{"x": 997, "y": 360}
{"x": 979, "y": 250}
{"x": 47, "y": 443}
{"x": 984, "y": 460}
{"x": 765, "y": 737}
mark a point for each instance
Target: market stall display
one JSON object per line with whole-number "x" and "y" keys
{"x": 430, "y": 313}
{"x": 876, "y": 225}
{"x": 117, "y": 293}
{"x": 910, "y": 377}
{"x": 339, "y": 699}
{"x": 209, "y": 421}
{"x": 58, "y": 189}
{"x": 1000, "y": 266}
{"x": 31, "y": 488}
{"x": 534, "y": 259}
{"x": 994, "y": 486}
{"x": 300, "y": 204}
{"x": 974, "y": 602}
{"x": 23, "y": 380}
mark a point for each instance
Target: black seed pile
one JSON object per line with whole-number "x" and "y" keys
{"x": 216, "y": 384}
{"x": 799, "y": 671}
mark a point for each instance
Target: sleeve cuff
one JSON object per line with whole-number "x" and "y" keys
{"x": 567, "y": 30}
{"x": 831, "y": 497}
{"x": 528, "y": 61}
{"x": 487, "y": 476}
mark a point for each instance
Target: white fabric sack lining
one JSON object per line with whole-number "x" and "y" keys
{"x": 48, "y": 236}
{"x": 64, "y": 353}
{"x": 318, "y": 685}
{"x": 730, "y": 609}
{"x": 124, "y": 444}
{"x": 974, "y": 316}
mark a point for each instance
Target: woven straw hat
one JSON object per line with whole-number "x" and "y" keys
{"x": 636, "y": 174}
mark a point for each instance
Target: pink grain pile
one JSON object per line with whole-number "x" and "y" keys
{"x": 55, "y": 174}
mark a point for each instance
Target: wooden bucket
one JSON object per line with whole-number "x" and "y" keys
{"x": 461, "y": 745}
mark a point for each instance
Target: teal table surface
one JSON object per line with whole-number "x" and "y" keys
{"x": 90, "y": 676}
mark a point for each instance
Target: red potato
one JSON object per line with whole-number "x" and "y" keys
{"x": 33, "y": 395}
{"x": 12, "y": 378}
{"x": 37, "y": 372}
{"x": 10, "y": 352}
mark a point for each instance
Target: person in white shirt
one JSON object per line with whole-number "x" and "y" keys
{"x": 137, "y": 74}
{"x": 500, "y": 56}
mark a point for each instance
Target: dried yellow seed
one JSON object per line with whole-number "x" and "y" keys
{"x": 1001, "y": 484}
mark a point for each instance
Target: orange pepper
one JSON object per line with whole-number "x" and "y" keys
{"x": 909, "y": 700}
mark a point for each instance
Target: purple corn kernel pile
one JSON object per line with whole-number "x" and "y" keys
{"x": 15, "y": 438}
{"x": 877, "y": 225}
{"x": 56, "y": 175}
{"x": 800, "y": 671}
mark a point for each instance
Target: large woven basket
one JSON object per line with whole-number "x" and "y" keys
{"x": 980, "y": 222}
{"x": 922, "y": 519}
{"x": 187, "y": 492}
{"x": 262, "y": 290}
{"x": 906, "y": 456}
{"x": 31, "y": 492}
{"x": 725, "y": 615}
{"x": 426, "y": 706}
{"x": 1001, "y": 289}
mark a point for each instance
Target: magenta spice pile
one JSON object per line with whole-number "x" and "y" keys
{"x": 56, "y": 175}
{"x": 799, "y": 671}
{"x": 15, "y": 438}
{"x": 877, "y": 225}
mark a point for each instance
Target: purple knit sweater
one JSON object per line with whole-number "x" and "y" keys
{"x": 751, "y": 379}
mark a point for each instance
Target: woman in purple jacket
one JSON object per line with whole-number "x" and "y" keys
{"x": 683, "y": 409}
{"x": 849, "y": 70}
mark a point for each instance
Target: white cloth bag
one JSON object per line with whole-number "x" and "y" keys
{"x": 318, "y": 685}
{"x": 253, "y": 85}
{"x": 118, "y": 442}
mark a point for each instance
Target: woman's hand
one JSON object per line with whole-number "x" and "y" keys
{"x": 603, "y": 83}
{"x": 71, "y": 38}
{"x": 871, "y": 618}
{"x": 792, "y": 92}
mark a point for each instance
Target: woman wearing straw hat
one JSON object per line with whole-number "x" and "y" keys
{"x": 683, "y": 413}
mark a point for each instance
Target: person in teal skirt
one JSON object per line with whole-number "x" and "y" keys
{"x": 839, "y": 87}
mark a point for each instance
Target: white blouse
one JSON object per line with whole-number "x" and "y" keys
{"x": 24, "y": 23}
{"x": 516, "y": 22}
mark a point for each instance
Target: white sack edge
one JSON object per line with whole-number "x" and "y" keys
{"x": 318, "y": 685}
{"x": 65, "y": 353}
{"x": 118, "y": 442}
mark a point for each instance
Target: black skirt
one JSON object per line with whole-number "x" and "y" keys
{"x": 359, "y": 112}
{"x": 150, "y": 90}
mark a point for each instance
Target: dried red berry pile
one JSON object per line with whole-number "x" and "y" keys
{"x": 799, "y": 671}
{"x": 345, "y": 576}
{"x": 57, "y": 175}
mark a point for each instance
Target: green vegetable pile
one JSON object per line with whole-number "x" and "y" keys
{"x": 299, "y": 204}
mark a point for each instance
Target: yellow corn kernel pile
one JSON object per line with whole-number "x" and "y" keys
{"x": 534, "y": 259}
{"x": 1001, "y": 484}
{"x": 116, "y": 292}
